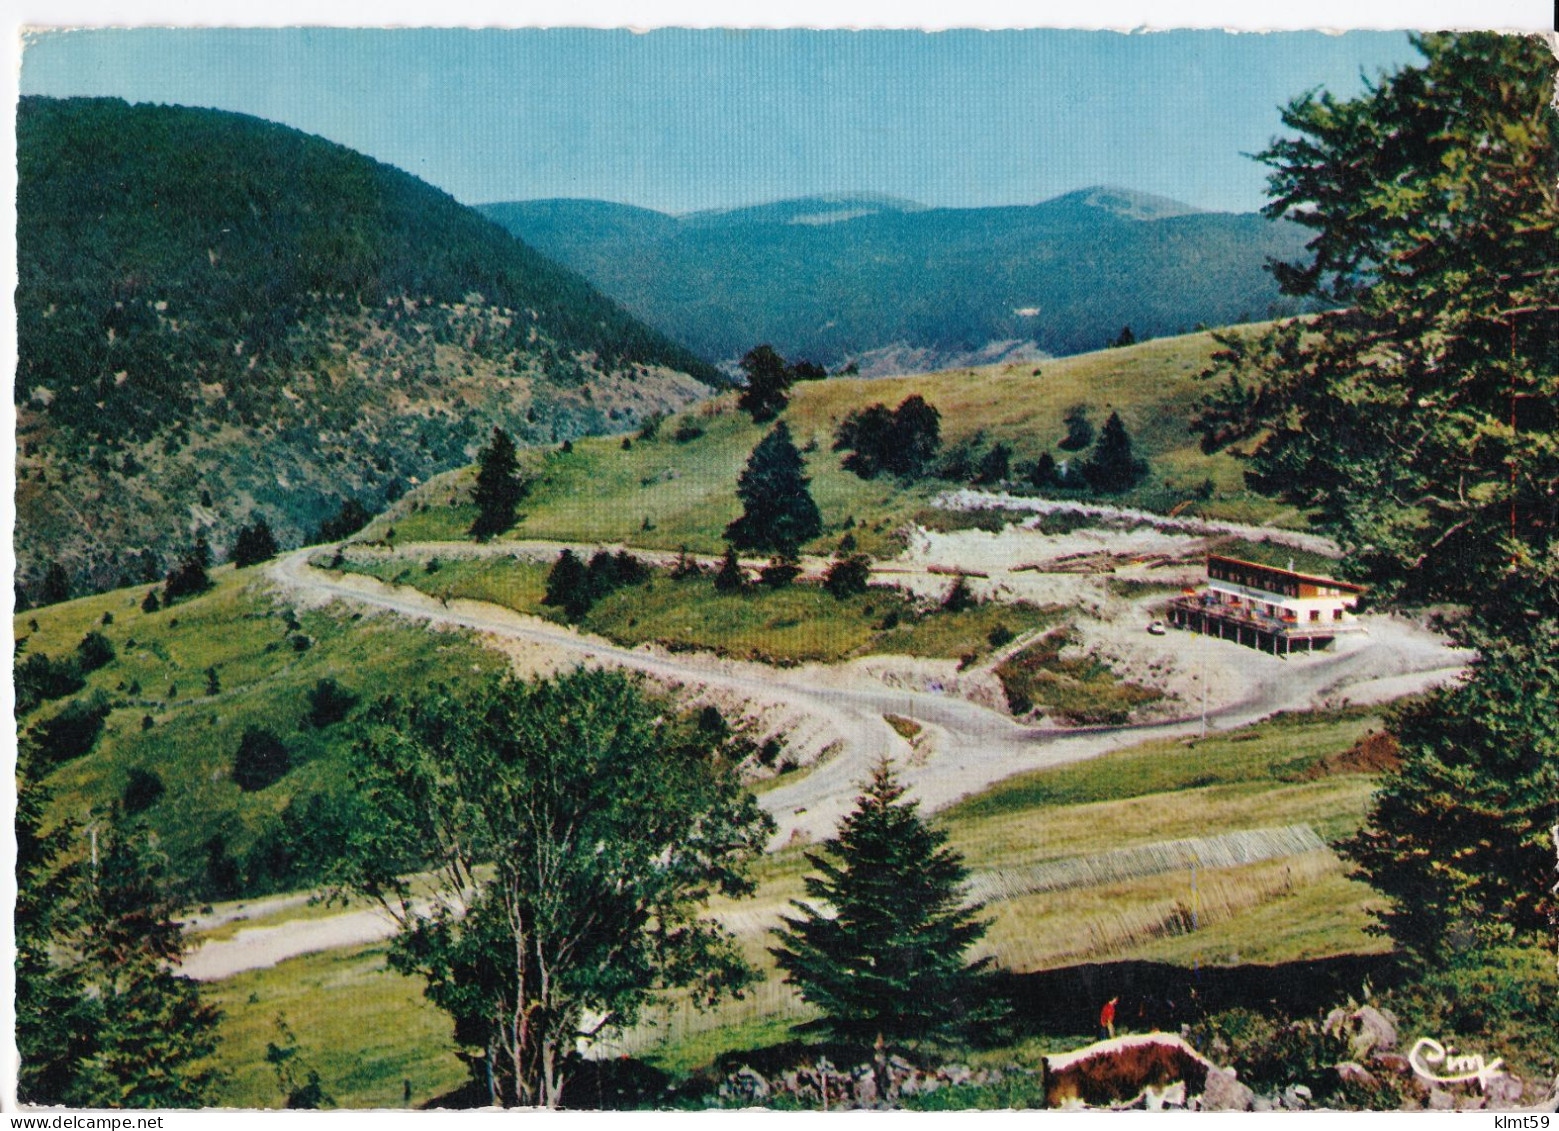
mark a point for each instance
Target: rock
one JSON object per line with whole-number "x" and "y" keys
{"x": 746, "y": 1085}
{"x": 1349, "y": 1072}
{"x": 1224, "y": 1092}
{"x": 1504, "y": 1091}
{"x": 1157, "y": 1099}
{"x": 1379, "y": 1026}
{"x": 1393, "y": 1063}
{"x": 864, "y": 1087}
{"x": 1262, "y": 1103}
{"x": 1471, "y": 1103}
{"x": 955, "y": 1073}
{"x": 1367, "y": 1029}
{"x": 1440, "y": 1100}
{"x": 1296, "y": 1097}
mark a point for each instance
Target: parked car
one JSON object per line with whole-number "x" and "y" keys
{"x": 1157, "y": 628}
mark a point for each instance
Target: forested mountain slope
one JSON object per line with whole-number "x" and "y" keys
{"x": 898, "y": 287}
{"x": 221, "y": 319}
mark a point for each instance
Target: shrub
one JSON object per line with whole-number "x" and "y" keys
{"x": 959, "y": 596}
{"x": 261, "y": 760}
{"x": 329, "y": 703}
{"x": 780, "y": 572}
{"x": 730, "y": 578}
{"x": 848, "y": 576}
{"x": 39, "y": 679}
{"x": 143, "y": 789}
{"x": 687, "y": 432}
{"x": 649, "y": 428}
{"x": 999, "y": 635}
{"x": 73, "y": 731}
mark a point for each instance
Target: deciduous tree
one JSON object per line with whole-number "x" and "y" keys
{"x": 574, "y": 827}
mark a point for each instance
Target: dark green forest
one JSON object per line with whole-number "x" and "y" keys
{"x": 193, "y": 279}
{"x": 835, "y": 278}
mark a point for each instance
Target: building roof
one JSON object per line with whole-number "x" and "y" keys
{"x": 1312, "y": 578}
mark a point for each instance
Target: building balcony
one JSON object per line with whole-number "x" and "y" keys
{"x": 1211, "y": 610}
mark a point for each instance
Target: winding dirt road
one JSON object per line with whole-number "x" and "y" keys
{"x": 978, "y": 745}
{"x": 973, "y": 746}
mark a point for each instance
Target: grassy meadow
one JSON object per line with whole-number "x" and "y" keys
{"x": 798, "y": 623}
{"x": 166, "y": 715}
{"x": 1292, "y": 909}
{"x": 678, "y": 488}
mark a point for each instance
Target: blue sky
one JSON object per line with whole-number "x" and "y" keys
{"x": 680, "y": 120}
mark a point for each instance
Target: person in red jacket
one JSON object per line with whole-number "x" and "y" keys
{"x": 1107, "y": 1019}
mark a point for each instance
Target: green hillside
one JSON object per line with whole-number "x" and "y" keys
{"x": 222, "y": 318}
{"x": 890, "y": 283}
{"x": 183, "y": 686}
{"x": 669, "y": 491}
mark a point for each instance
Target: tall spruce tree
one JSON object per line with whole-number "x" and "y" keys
{"x": 1418, "y": 420}
{"x": 879, "y": 946}
{"x": 498, "y": 487}
{"x": 54, "y": 1027}
{"x": 103, "y": 1019}
{"x": 1113, "y": 466}
{"x": 778, "y": 512}
{"x": 1461, "y": 835}
{"x": 153, "y": 1036}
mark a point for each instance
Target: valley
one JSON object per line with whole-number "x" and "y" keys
{"x": 829, "y": 652}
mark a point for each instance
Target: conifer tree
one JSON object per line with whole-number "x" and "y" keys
{"x": 768, "y": 384}
{"x": 1460, "y": 836}
{"x": 1415, "y": 421}
{"x": 102, "y": 1017}
{"x": 779, "y": 514}
{"x": 1113, "y": 467}
{"x": 879, "y": 945}
{"x": 254, "y": 544}
{"x": 568, "y": 586}
{"x": 498, "y": 487}
{"x": 730, "y": 578}
{"x": 53, "y": 1025}
{"x": 56, "y": 585}
{"x": 153, "y": 1036}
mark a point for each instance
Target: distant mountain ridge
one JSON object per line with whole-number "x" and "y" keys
{"x": 221, "y": 318}
{"x": 853, "y": 276}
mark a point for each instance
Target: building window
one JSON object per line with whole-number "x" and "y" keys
{"x": 1337, "y": 614}
{"x": 1315, "y": 614}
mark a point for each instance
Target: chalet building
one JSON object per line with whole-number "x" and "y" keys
{"x": 1276, "y": 610}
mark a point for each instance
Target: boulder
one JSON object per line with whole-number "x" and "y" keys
{"x": 863, "y": 1086}
{"x": 745, "y": 1085}
{"x": 1504, "y": 1091}
{"x": 1224, "y": 1092}
{"x": 1349, "y": 1072}
{"x": 1391, "y": 1064}
{"x": 1297, "y": 1097}
{"x": 1367, "y": 1029}
{"x": 1440, "y": 1100}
